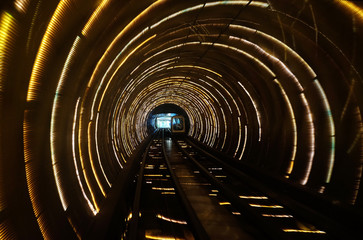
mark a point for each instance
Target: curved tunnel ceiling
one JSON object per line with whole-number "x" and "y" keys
{"x": 275, "y": 84}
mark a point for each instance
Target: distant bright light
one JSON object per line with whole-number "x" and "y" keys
{"x": 163, "y": 122}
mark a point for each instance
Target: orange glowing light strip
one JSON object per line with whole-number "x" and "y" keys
{"x": 303, "y": 231}
{"x": 160, "y": 237}
{"x": 197, "y": 67}
{"x": 7, "y": 32}
{"x": 7, "y": 25}
{"x": 44, "y": 49}
{"x": 98, "y": 152}
{"x": 170, "y": 219}
{"x": 358, "y": 11}
{"x": 75, "y": 159}
{"x": 21, "y": 5}
{"x": 294, "y": 128}
{"x": 91, "y": 159}
{"x": 82, "y": 163}
{"x": 93, "y": 18}
{"x": 111, "y": 46}
{"x": 53, "y": 131}
{"x": 265, "y": 206}
{"x": 31, "y": 175}
{"x": 7, "y": 231}
{"x": 253, "y": 197}
{"x": 134, "y": 50}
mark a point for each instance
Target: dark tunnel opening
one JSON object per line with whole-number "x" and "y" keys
{"x": 166, "y": 110}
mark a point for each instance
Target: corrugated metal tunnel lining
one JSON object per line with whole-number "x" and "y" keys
{"x": 274, "y": 84}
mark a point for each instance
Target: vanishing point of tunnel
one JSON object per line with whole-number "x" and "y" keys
{"x": 254, "y": 108}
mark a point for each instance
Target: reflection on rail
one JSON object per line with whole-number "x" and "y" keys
{"x": 184, "y": 192}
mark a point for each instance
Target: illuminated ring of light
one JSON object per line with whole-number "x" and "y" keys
{"x": 55, "y": 162}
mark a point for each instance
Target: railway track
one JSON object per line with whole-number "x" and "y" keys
{"x": 244, "y": 196}
{"x": 160, "y": 209}
{"x": 184, "y": 192}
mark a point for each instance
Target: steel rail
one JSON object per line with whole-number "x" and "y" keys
{"x": 237, "y": 202}
{"x": 133, "y": 232}
{"x": 325, "y": 223}
{"x": 196, "y": 225}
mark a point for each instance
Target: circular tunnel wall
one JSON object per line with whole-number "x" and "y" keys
{"x": 276, "y": 85}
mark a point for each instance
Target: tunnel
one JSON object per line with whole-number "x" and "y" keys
{"x": 274, "y": 85}
{"x": 165, "y": 111}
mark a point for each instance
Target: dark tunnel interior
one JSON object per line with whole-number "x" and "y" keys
{"x": 273, "y": 84}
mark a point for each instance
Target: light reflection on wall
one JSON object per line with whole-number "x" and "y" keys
{"x": 223, "y": 80}
{"x": 7, "y": 34}
{"x": 8, "y": 31}
{"x": 211, "y": 130}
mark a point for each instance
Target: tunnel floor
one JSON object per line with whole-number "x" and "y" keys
{"x": 184, "y": 192}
